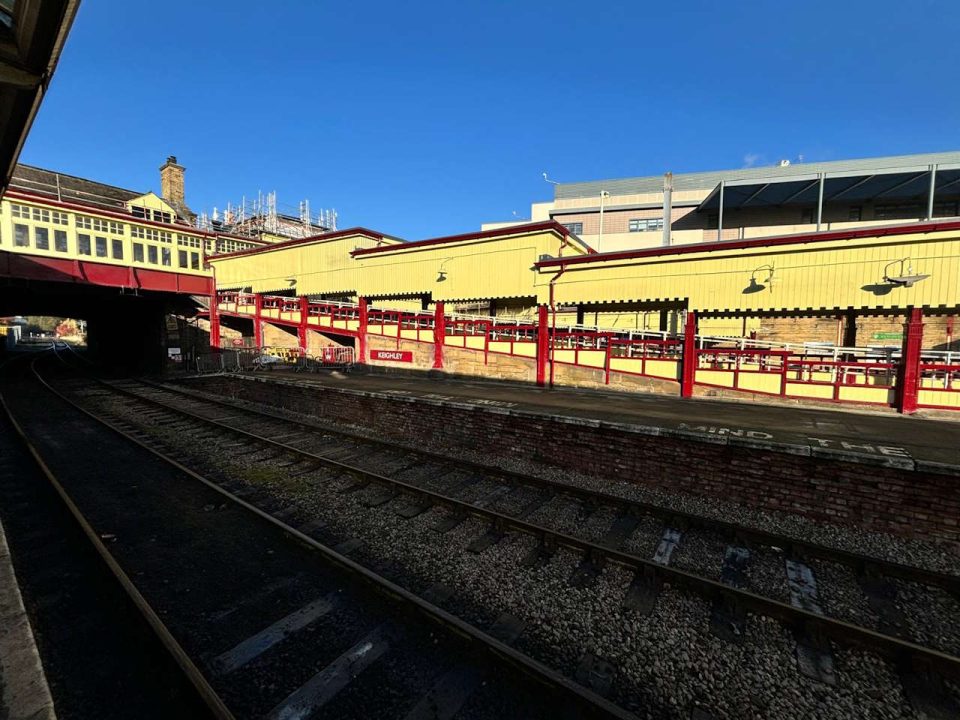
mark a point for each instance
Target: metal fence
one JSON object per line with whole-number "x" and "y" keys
{"x": 268, "y": 358}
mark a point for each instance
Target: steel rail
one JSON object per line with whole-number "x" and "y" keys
{"x": 482, "y": 643}
{"x": 206, "y": 692}
{"x": 801, "y": 548}
{"x": 888, "y": 646}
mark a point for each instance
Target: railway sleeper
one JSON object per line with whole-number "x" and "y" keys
{"x": 728, "y": 618}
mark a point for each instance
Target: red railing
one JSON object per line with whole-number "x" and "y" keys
{"x": 854, "y": 375}
{"x": 235, "y": 300}
{"x": 939, "y": 378}
{"x": 325, "y": 314}
{"x": 419, "y": 323}
{"x": 643, "y": 350}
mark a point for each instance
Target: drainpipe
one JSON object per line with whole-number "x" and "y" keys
{"x": 553, "y": 319}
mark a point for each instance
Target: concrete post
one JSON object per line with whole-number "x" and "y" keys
{"x": 688, "y": 362}
{"x": 362, "y": 332}
{"x": 439, "y": 335}
{"x": 908, "y": 374}
{"x": 543, "y": 345}
{"x": 257, "y": 321}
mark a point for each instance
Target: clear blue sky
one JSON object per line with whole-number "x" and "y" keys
{"x": 425, "y": 118}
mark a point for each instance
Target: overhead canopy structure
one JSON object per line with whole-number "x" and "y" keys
{"x": 32, "y": 34}
{"x": 921, "y": 183}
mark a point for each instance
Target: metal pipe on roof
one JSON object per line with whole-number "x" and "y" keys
{"x": 720, "y": 214}
{"x": 667, "y": 206}
{"x": 931, "y": 191}
{"x": 603, "y": 194}
{"x": 820, "y": 201}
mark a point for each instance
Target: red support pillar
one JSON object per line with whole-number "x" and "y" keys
{"x": 688, "y": 362}
{"x": 362, "y": 332}
{"x": 302, "y": 338}
{"x": 543, "y": 345}
{"x": 439, "y": 335}
{"x": 257, "y": 322}
{"x": 215, "y": 321}
{"x": 908, "y": 374}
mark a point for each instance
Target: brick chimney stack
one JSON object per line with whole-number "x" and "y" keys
{"x": 171, "y": 182}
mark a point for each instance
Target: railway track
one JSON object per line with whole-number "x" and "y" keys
{"x": 507, "y": 501}
{"x": 265, "y": 620}
{"x": 77, "y": 607}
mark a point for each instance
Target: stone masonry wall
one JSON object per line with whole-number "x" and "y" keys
{"x": 888, "y": 494}
{"x": 458, "y": 361}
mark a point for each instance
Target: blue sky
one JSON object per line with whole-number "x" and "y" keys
{"x": 424, "y": 119}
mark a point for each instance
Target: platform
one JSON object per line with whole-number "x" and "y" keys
{"x": 844, "y": 432}
{"x": 24, "y": 694}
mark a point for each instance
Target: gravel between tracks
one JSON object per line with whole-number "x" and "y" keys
{"x": 667, "y": 662}
{"x": 887, "y": 547}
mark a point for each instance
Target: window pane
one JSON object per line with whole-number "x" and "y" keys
{"x": 137, "y": 252}
{"x": 182, "y": 258}
{"x": 117, "y": 247}
{"x": 195, "y": 261}
{"x": 152, "y": 254}
{"x": 21, "y": 236}
{"x": 101, "y": 247}
{"x": 83, "y": 244}
{"x": 42, "y": 237}
{"x": 60, "y": 240}
{"x": 165, "y": 255}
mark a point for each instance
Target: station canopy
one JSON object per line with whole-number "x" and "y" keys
{"x": 852, "y": 187}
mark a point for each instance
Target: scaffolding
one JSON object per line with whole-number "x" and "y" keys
{"x": 255, "y": 217}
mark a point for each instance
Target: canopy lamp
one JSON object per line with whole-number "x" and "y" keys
{"x": 903, "y": 275}
{"x": 758, "y": 285}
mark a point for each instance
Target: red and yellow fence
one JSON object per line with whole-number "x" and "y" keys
{"x": 908, "y": 379}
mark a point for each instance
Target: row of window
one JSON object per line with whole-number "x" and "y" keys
{"x": 227, "y": 246}
{"x": 27, "y": 212}
{"x": 97, "y": 246}
{"x": 635, "y": 225}
{"x": 148, "y": 214}
{"x": 39, "y": 214}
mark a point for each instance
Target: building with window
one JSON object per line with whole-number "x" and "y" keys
{"x": 788, "y": 198}
{"x": 59, "y": 215}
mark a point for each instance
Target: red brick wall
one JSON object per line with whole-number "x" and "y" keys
{"x": 908, "y": 502}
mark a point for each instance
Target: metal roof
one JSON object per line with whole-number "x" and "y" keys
{"x": 709, "y": 180}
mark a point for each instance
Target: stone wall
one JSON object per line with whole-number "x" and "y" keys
{"x": 886, "y": 494}
{"x": 459, "y": 361}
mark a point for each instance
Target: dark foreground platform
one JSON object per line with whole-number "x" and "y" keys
{"x": 839, "y": 432}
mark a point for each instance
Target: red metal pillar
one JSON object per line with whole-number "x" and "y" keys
{"x": 215, "y": 321}
{"x": 688, "y": 361}
{"x": 439, "y": 335}
{"x": 302, "y": 327}
{"x": 257, "y": 322}
{"x": 908, "y": 374}
{"x": 362, "y": 332}
{"x": 542, "y": 344}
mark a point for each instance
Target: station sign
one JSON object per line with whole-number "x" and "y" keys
{"x": 405, "y": 356}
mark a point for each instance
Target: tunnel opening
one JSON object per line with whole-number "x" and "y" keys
{"x": 127, "y": 331}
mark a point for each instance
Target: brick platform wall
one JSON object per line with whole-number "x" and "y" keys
{"x": 826, "y": 486}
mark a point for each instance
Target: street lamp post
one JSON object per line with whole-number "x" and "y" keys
{"x": 603, "y": 194}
